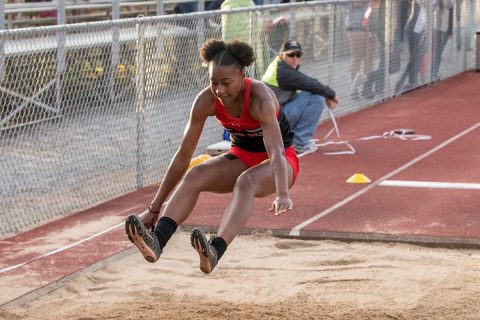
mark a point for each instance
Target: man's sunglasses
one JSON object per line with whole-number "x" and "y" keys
{"x": 295, "y": 54}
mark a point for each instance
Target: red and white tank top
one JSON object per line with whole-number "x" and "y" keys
{"x": 245, "y": 131}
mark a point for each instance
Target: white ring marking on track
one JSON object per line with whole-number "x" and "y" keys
{"x": 296, "y": 230}
{"x": 430, "y": 184}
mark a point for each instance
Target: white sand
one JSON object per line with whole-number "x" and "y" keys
{"x": 262, "y": 277}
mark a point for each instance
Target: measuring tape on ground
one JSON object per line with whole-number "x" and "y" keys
{"x": 402, "y": 134}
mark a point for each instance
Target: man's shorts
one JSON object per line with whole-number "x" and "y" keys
{"x": 253, "y": 158}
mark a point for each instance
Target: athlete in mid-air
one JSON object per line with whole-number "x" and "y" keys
{"x": 260, "y": 162}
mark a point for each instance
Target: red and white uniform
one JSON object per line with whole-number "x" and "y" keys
{"x": 246, "y": 133}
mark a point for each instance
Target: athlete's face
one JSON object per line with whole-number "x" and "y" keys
{"x": 226, "y": 82}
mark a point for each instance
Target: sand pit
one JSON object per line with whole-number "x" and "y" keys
{"x": 263, "y": 277}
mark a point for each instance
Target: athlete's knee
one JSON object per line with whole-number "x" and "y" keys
{"x": 195, "y": 176}
{"x": 246, "y": 183}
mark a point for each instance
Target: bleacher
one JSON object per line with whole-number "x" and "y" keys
{"x": 21, "y": 14}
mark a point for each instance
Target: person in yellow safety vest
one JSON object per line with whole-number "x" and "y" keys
{"x": 301, "y": 97}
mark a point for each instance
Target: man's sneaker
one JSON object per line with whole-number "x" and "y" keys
{"x": 310, "y": 147}
{"x": 207, "y": 253}
{"x": 139, "y": 235}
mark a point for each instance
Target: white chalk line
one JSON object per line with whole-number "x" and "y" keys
{"x": 52, "y": 252}
{"x": 296, "y": 230}
{"x": 430, "y": 184}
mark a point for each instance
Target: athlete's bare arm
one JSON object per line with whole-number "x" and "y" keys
{"x": 264, "y": 107}
{"x": 203, "y": 107}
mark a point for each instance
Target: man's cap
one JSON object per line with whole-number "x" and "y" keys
{"x": 291, "y": 46}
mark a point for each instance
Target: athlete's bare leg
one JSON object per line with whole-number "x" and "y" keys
{"x": 217, "y": 175}
{"x": 257, "y": 182}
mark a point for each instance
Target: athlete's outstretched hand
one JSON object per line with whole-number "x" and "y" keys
{"x": 281, "y": 205}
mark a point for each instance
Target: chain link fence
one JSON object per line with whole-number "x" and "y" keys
{"x": 92, "y": 111}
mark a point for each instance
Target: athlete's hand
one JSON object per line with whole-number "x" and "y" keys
{"x": 281, "y": 205}
{"x": 149, "y": 217}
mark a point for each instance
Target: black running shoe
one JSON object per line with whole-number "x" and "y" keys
{"x": 207, "y": 253}
{"x": 143, "y": 239}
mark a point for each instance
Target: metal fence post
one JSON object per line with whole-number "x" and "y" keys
{"x": 2, "y": 14}
{"x": 160, "y": 8}
{"x": 2, "y": 41}
{"x": 61, "y": 54}
{"x": 61, "y": 14}
{"x": 200, "y": 29}
{"x": 201, "y": 5}
{"x": 331, "y": 41}
{"x": 293, "y": 22}
{"x": 477, "y": 53}
{"x": 432, "y": 40}
{"x": 140, "y": 102}
{"x": 115, "y": 48}
{"x": 253, "y": 38}
{"x": 388, "y": 46}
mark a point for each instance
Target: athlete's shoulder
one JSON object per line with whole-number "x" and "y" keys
{"x": 206, "y": 94}
{"x": 262, "y": 98}
{"x": 205, "y": 100}
{"x": 259, "y": 88}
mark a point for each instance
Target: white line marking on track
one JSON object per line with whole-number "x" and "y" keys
{"x": 52, "y": 252}
{"x": 429, "y": 184}
{"x": 296, "y": 230}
